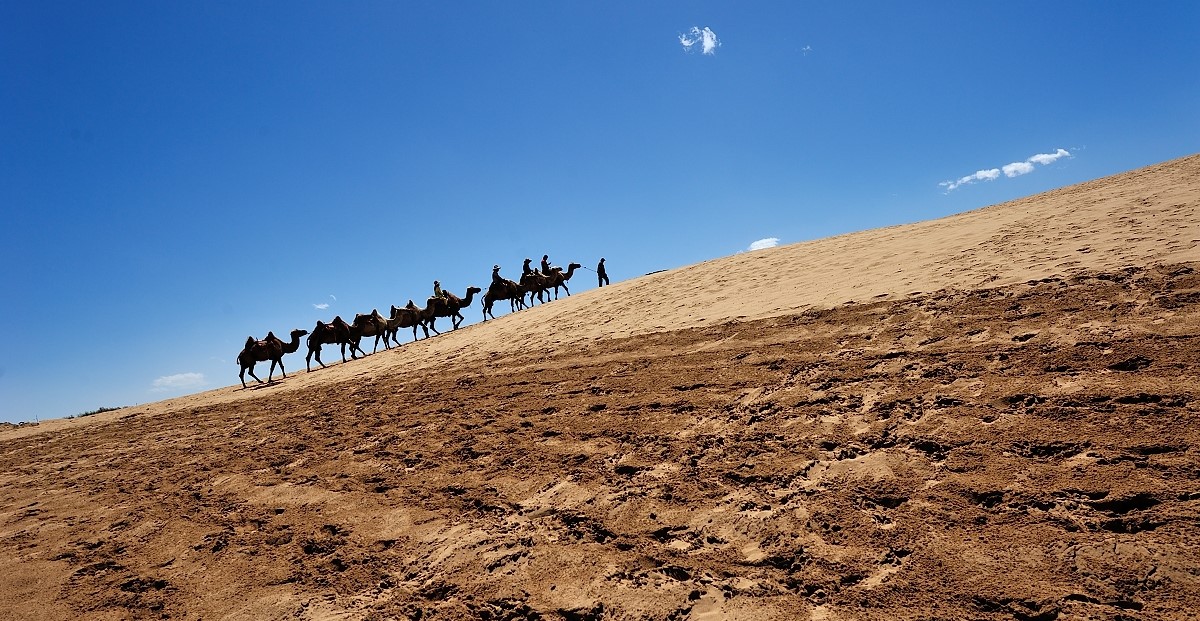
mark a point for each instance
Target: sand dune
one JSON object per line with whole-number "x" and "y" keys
{"x": 990, "y": 415}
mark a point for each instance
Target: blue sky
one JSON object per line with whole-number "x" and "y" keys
{"x": 176, "y": 176}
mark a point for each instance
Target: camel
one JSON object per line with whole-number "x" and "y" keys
{"x": 369, "y": 325}
{"x": 410, "y": 317}
{"x": 452, "y": 305}
{"x": 427, "y": 314}
{"x": 505, "y": 290}
{"x": 559, "y": 279}
{"x": 336, "y": 331}
{"x": 534, "y": 282}
{"x": 270, "y": 348}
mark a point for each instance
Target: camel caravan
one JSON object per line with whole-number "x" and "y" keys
{"x": 534, "y": 283}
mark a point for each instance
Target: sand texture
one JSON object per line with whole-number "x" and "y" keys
{"x": 994, "y": 415}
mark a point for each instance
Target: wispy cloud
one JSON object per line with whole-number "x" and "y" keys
{"x": 179, "y": 381}
{"x": 768, "y": 242}
{"x": 704, "y": 36}
{"x": 1015, "y": 169}
{"x": 325, "y": 305}
{"x": 1046, "y": 158}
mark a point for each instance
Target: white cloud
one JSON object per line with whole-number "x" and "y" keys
{"x": 704, "y": 36}
{"x": 325, "y": 305}
{"x": 1014, "y": 169}
{"x": 806, "y": 50}
{"x": 1046, "y": 158}
{"x": 1017, "y": 169}
{"x": 179, "y": 381}
{"x": 990, "y": 174}
{"x": 769, "y": 242}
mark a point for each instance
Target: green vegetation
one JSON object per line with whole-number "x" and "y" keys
{"x": 95, "y": 411}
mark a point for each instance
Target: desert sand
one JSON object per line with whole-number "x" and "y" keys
{"x": 987, "y": 416}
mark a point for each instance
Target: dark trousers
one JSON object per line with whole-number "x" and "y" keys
{"x": 603, "y": 278}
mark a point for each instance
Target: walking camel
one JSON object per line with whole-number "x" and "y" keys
{"x": 451, "y": 306}
{"x": 369, "y": 325}
{"x": 334, "y": 332}
{"x": 427, "y": 314}
{"x": 270, "y": 348}
{"x": 559, "y": 279}
{"x": 410, "y": 317}
{"x": 504, "y": 290}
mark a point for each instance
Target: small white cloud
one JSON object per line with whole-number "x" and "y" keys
{"x": 1014, "y": 169}
{"x": 990, "y": 174}
{"x": 179, "y": 381}
{"x": 1017, "y": 169}
{"x": 806, "y": 49}
{"x": 769, "y": 242}
{"x": 704, "y": 36}
{"x": 320, "y": 306}
{"x": 1047, "y": 158}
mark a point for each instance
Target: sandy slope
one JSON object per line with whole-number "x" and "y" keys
{"x": 726, "y": 438}
{"x": 1136, "y": 218}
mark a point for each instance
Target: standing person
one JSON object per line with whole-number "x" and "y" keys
{"x": 601, "y": 275}
{"x": 525, "y": 269}
{"x": 545, "y": 264}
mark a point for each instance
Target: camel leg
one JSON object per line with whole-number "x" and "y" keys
{"x": 271, "y": 372}
{"x": 311, "y": 352}
{"x": 281, "y": 368}
{"x": 250, "y": 369}
{"x": 435, "y": 330}
{"x": 457, "y": 319}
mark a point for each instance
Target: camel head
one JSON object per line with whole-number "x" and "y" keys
{"x": 298, "y": 333}
{"x": 473, "y": 290}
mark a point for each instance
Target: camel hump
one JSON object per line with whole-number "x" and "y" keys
{"x": 250, "y": 341}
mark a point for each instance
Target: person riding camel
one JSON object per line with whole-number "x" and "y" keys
{"x": 525, "y": 269}
{"x": 546, "y": 264}
{"x": 496, "y": 279}
{"x": 437, "y": 291}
